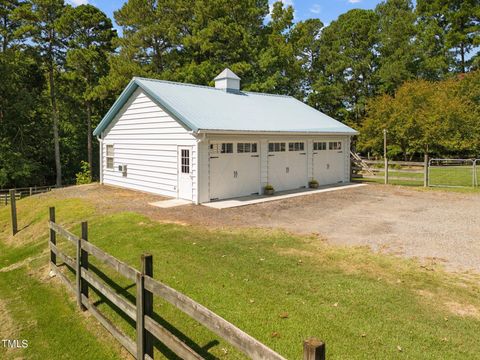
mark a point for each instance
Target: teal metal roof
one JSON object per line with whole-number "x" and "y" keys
{"x": 209, "y": 109}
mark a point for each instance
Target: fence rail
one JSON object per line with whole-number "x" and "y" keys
{"x": 436, "y": 172}
{"x": 20, "y": 193}
{"x": 141, "y": 312}
{"x": 408, "y": 171}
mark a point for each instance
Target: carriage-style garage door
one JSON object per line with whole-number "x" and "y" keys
{"x": 234, "y": 169}
{"x": 287, "y": 165}
{"x": 328, "y": 162}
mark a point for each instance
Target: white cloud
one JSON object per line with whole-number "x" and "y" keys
{"x": 315, "y": 9}
{"x": 78, "y": 2}
{"x": 354, "y": 1}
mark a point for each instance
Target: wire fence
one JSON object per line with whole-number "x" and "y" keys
{"x": 452, "y": 172}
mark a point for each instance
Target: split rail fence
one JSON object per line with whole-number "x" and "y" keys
{"x": 141, "y": 312}
{"x": 406, "y": 171}
{"x": 430, "y": 172}
{"x": 6, "y": 195}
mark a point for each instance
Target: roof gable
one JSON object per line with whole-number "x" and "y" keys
{"x": 206, "y": 108}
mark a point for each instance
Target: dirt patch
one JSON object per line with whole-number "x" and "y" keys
{"x": 464, "y": 310}
{"x": 8, "y": 329}
{"x": 388, "y": 219}
{"x": 21, "y": 263}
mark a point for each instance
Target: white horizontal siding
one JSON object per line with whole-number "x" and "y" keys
{"x": 146, "y": 139}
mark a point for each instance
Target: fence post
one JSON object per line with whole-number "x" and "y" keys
{"x": 31, "y": 191}
{"x": 144, "y": 307}
{"x": 82, "y": 262}
{"x": 313, "y": 349}
{"x": 53, "y": 238}
{"x": 13, "y": 206}
{"x": 475, "y": 178}
{"x": 425, "y": 174}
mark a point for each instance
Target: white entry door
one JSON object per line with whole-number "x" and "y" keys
{"x": 185, "y": 178}
{"x": 287, "y": 165}
{"x": 328, "y": 162}
{"x": 234, "y": 169}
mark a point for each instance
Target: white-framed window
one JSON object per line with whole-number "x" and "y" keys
{"x": 335, "y": 145}
{"x": 185, "y": 159}
{"x": 276, "y": 147}
{"x": 221, "y": 148}
{"x": 296, "y": 146}
{"x": 109, "y": 156}
{"x": 246, "y": 148}
{"x": 321, "y": 145}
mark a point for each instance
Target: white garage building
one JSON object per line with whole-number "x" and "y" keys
{"x": 202, "y": 143}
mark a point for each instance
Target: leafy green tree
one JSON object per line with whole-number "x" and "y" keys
{"x": 23, "y": 136}
{"x": 454, "y": 25}
{"x": 278, "y": 69}
{"x": 347, "y": 66}
{"x": 397, "y": 52}
{"x": 305, "y": 39}
{"x": 219, "y": 34}
{"x": 439, "y": 118}
{"x": 8, "y": 23}
{"x": 40, "y": 25}
{"x": 89, "y": 34}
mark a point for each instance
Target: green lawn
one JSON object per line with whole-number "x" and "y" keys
{"x": 277, "y": 287}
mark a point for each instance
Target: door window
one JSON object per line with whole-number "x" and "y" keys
{"x": 319, "y": 146}
{"x": 221, "y": 148}
{"x": 296, "y": 146}
{"x": 335, "y": 145}
{"x": 185, "y": 160}
{"x": 276, "y": 147}
{"x": 246, "y": 148}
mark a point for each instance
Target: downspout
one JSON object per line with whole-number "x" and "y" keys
{"x": 100, "y": 141}
{"x": 201, "y": 137}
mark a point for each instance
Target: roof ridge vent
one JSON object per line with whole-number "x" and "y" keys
{"x": 228, "y": 81}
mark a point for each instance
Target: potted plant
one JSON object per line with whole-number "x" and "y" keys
{"x": 268, "y": 190}
{"x": 313, "y": 184}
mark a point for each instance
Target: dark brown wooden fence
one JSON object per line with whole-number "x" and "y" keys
{"x": 141, "y": 312}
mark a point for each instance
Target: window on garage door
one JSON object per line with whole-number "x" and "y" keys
{"x": 335, "y": 145}
{"x": 221, "y": 148}
{"x": 243, "y": 148}
{"x": 320, "y": 145}
{"x": 296, "y": 146}
{"x": 276, "y": 147}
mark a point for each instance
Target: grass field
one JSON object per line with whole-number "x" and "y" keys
{"x": 277, "y": 287}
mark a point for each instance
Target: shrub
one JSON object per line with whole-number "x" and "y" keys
{"x": 85, "y": 175}
{"x": 268, "y": 187}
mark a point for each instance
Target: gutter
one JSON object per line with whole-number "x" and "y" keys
{"x": 256, "y": 132}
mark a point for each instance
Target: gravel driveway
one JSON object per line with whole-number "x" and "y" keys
{"x": 432, "y": 225}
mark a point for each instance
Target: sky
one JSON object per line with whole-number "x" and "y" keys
{"x": 325, "y": 10}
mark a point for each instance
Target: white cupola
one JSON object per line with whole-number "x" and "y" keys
{"x": 227, "y": 80}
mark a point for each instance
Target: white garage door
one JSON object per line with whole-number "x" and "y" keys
{"x": 234, "y": 169}
{"x": 287, "y": 165}
{"x": 328, "y": 162}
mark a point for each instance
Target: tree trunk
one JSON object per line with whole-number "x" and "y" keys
{"x": 462, "y": 57}
{"x": 56, "y": 138}
{"x": 53, "y": 101}
{"x": 89, "y": 135}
